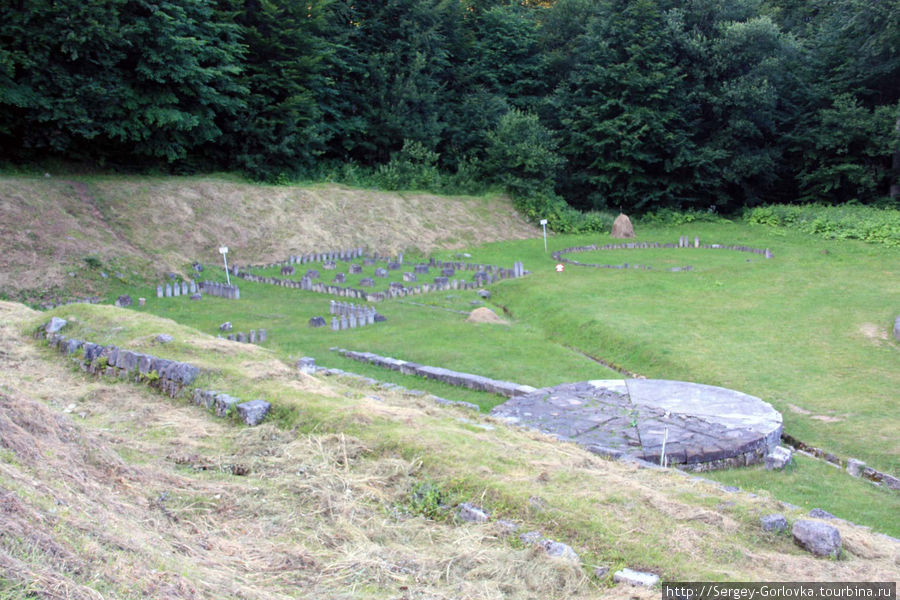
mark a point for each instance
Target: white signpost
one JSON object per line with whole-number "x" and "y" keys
{"x": 544, "y": 225}
{"x": 224, "y": 252}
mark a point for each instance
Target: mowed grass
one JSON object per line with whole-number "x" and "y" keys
{"x": 808, "y": 331}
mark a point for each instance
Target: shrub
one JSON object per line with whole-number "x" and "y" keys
{"x": 845, "y": 221}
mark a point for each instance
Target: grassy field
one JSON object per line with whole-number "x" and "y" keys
{"x": 134, "y": 495}
{"x": 807, "y": 331}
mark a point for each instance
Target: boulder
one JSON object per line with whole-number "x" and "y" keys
{"x": 163, "y": 338}
{"x": 226, "y": 326}
{"x": 820, "y": 539}
{"x": 622, "y": 227}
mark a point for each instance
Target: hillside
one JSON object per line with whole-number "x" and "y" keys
{"x": 112, "y": 490}
{"x": 144, "y": 227}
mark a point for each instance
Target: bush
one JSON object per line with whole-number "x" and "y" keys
{"x": 845, "y": 221}
{"x": 561, "y": 217}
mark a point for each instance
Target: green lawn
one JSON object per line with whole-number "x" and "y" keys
{"x": 808, "y": 331}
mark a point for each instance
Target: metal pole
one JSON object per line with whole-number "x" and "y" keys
{"x": 224, "y": 251}
{"x": 544, "y": 226}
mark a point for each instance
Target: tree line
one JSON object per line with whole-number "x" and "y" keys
{"x": 634, "y": 105}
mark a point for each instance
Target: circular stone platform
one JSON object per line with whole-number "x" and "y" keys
{"x": 703, "y": 427}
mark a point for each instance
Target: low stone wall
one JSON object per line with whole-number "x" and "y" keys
{"x": 683, "y": 242}
{"x": 175, "y": 289}
{"x": 171, "y": 377}
{"x": 467, "y": 380}
{"x": 254, "y": 337}
{"x": 222, "y": 290}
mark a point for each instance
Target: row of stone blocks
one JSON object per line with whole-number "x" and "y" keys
{"x": 683, "y": 242}
{"x": 252, "y": 412}
{"x": 456, "y": 378}
{"x": 169, "y": 376}
{"x": 396, "y": 289}
{"x": 222, "y": 290}
{"x": 170, "y": 290}
{"x": 255, "y": 337}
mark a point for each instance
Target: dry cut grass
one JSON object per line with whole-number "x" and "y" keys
{"x": 110, "y": 491}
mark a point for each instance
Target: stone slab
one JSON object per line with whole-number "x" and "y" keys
{"x": 696, "y": 425}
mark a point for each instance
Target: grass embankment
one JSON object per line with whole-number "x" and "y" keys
{"x": 112, "y": 489}
{"x": 137, "y": 228}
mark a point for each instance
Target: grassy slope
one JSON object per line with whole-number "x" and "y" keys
{"x": 114, "y": 489}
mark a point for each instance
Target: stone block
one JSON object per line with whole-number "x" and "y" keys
{"x": 307, "y": 365}
{"x": 253, "y": 412}
{"x": 775, "y": 523}
{"x": 380, "y": 272}
{"x": 355, "y": 269}
{"x": 633, "y": 577}
{"x": 54, "y": 325}
{"x": 472, "y": 514}
{"x": 317, "y": 322}
{"x": 855, "y": 467}
{"x": 559, "y": 550}
{"x": 778, "y": 458}
{"x": 820, "y": 539}
{"x": 897, "y": 329}
{"x": 226, "y": 326}
{"x": 223, "y": 404}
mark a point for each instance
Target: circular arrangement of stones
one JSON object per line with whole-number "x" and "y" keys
{"x": 699, "y": 427}
{"x": 684, "y": 242}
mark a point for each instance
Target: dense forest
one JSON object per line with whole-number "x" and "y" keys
{"x": 637, "y": 105}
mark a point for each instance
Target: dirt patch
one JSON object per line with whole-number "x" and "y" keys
{"x": 874, "y": 332}
{"x": 485, "y": 315}
{"x": 827, "y": 419}
{"x": 800, "y": 411}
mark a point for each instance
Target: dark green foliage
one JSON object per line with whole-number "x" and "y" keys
{"x": 116, "y": 80}
{"x": 634, "y": 105}
{"x": 847, "y": 221}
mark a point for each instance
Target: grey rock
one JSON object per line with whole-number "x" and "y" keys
{"x": 818, "y": 513}
{"x": 778, "y": 458}
{"x": 484, "y": 294}
{"x": 559, "y": 550}
{"x": 633, "y": 577}
{"x": 367, "y": 282}
{"x": 307, "y": 365}
{"x": 317, "y": 322}
{"x": 253, "y": 412}
{"x": 163, "y": 338}
{"x": 505, "y": 528}
{"x": 531, "y": 537}
{"x": 855, "y": 467}
{"x": 379, "y": 272}
{"x": 774, "y": 522}
{"x": 226, "y": 326}
{"x": 820, "y": 539}
{"x": 601, "y": 571}
{"x": 197, "y": 296}
{"x": 223, "y": 404}
{"x": 472, "y": 514}
{"x": 897, "y": 329}
{"x": 287, "y": 270}
{"x": 54, "y": 325}
{"x": 379, "y": 318}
